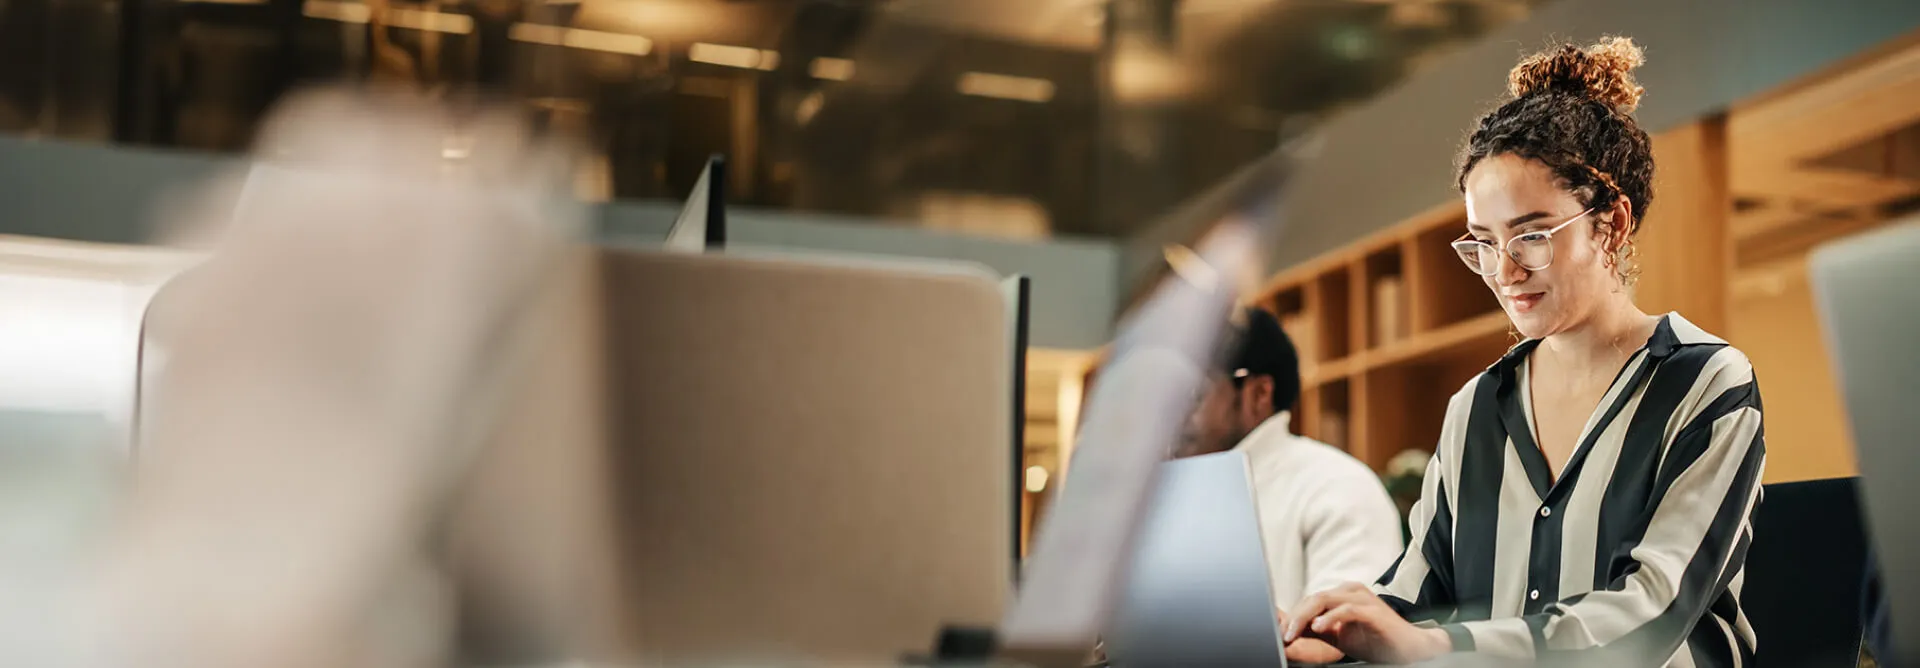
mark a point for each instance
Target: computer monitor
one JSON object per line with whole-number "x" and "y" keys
{"x": 1018, "y": 289}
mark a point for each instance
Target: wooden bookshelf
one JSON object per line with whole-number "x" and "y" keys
{"x": 1394, "y": 324}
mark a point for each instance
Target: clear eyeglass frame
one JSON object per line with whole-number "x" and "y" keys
{"x": 1533, "y": 251}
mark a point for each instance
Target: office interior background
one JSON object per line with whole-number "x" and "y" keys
{"x": 1052, "y": 138}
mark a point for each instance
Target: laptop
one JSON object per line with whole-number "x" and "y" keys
{"x": 1198, "y": 592}
{"x": 1082, "y": 568}
{"x": 1864, "y": 289}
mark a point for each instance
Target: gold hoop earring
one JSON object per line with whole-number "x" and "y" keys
{"x": 1625, "y": 264}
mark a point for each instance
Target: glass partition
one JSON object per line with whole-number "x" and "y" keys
{"x": 1009, "y": 118}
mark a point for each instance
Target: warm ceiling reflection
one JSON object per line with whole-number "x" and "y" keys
{"x": 1072, "y": 116}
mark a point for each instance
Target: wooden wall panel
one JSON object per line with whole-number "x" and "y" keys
{"x": 1807, "y": 435}
{"x": 1686, "y": 256}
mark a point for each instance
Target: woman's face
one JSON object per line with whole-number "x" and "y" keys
{"x": 1509, "y": 196}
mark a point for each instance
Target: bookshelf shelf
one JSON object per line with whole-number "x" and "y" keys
{"x": 1487, "y": 335}
{"x": 1328, "y": 372}
{"x": 1487, "y": 332}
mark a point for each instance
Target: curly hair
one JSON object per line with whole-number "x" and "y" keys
{"x": 1572, "y": 111}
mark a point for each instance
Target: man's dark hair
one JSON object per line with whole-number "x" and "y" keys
{"x": 1259, "y": 347}
{"x": 1572, "y": 110}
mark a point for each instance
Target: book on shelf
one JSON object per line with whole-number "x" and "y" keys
{"x": 1299, "y": 328}
{"x": 1333, "y": 429}
{"x": 1389, "y": 310}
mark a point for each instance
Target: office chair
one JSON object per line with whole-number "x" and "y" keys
{"x": 1804, "y": 574}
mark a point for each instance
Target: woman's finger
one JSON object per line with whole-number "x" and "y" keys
{"x": 1320, "y": 603}
{"x": 1303, "y": 614}
{"x": 1331, "y": 620}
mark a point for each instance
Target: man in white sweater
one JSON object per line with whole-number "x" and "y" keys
{"x": 1324, "y": 516}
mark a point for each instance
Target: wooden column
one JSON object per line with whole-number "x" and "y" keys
{"x": 1685, "y": 252}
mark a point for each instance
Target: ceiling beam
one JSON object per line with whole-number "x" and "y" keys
{"x": 1768, "y": 138}
{"x": 1828, "y": 188}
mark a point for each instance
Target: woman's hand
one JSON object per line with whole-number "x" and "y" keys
{"x": 1309, "y": 648}
{"x": 1360, "y": 625}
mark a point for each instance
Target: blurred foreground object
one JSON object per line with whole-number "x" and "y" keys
{"x": 331, "y": 374}
{"x": 1134, "y": 417}
{"x": 1871, "y": 317}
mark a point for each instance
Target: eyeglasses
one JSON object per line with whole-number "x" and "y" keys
{"x": 1533, "y": 251}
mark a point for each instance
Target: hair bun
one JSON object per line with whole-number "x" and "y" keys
{"x": 1603, "y": 72}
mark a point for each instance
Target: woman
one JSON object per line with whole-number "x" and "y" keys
{"x": 1591, "y": 495}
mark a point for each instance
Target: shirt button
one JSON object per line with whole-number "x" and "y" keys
{"x": 1533, "y": 595}
{"x": 1546, "y": 512}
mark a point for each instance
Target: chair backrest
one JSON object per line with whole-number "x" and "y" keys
{"x": 1804, "y": 574}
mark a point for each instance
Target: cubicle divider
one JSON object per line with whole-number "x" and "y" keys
{"x": 718, "y": 457}
{"x": 809, "y": 459}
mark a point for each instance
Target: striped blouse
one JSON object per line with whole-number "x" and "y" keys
{"x": 1635, "y": 555}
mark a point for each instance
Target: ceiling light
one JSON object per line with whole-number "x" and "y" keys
{"x": 538, "y": 34}
{"x": 733, "y": 56}
{"x": 1006, "y": 87}
{"x": 833, "y": 69}
{"x": 1143, "y": 74}
{"x": 594, "y": 40}
{"x": 458, "y": 24}
{"x": 1214, "y": 6}
{"x": 809, "y": 106}
{"x": 611, "y": 42}
{"x": 354, "y": 12}
{"x": 345, "y": 12}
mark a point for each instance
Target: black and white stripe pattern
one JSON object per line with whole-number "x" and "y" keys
{"x": 1635, "y": 555}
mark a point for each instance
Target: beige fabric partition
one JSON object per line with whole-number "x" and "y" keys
{"x": 804, "y": 460}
